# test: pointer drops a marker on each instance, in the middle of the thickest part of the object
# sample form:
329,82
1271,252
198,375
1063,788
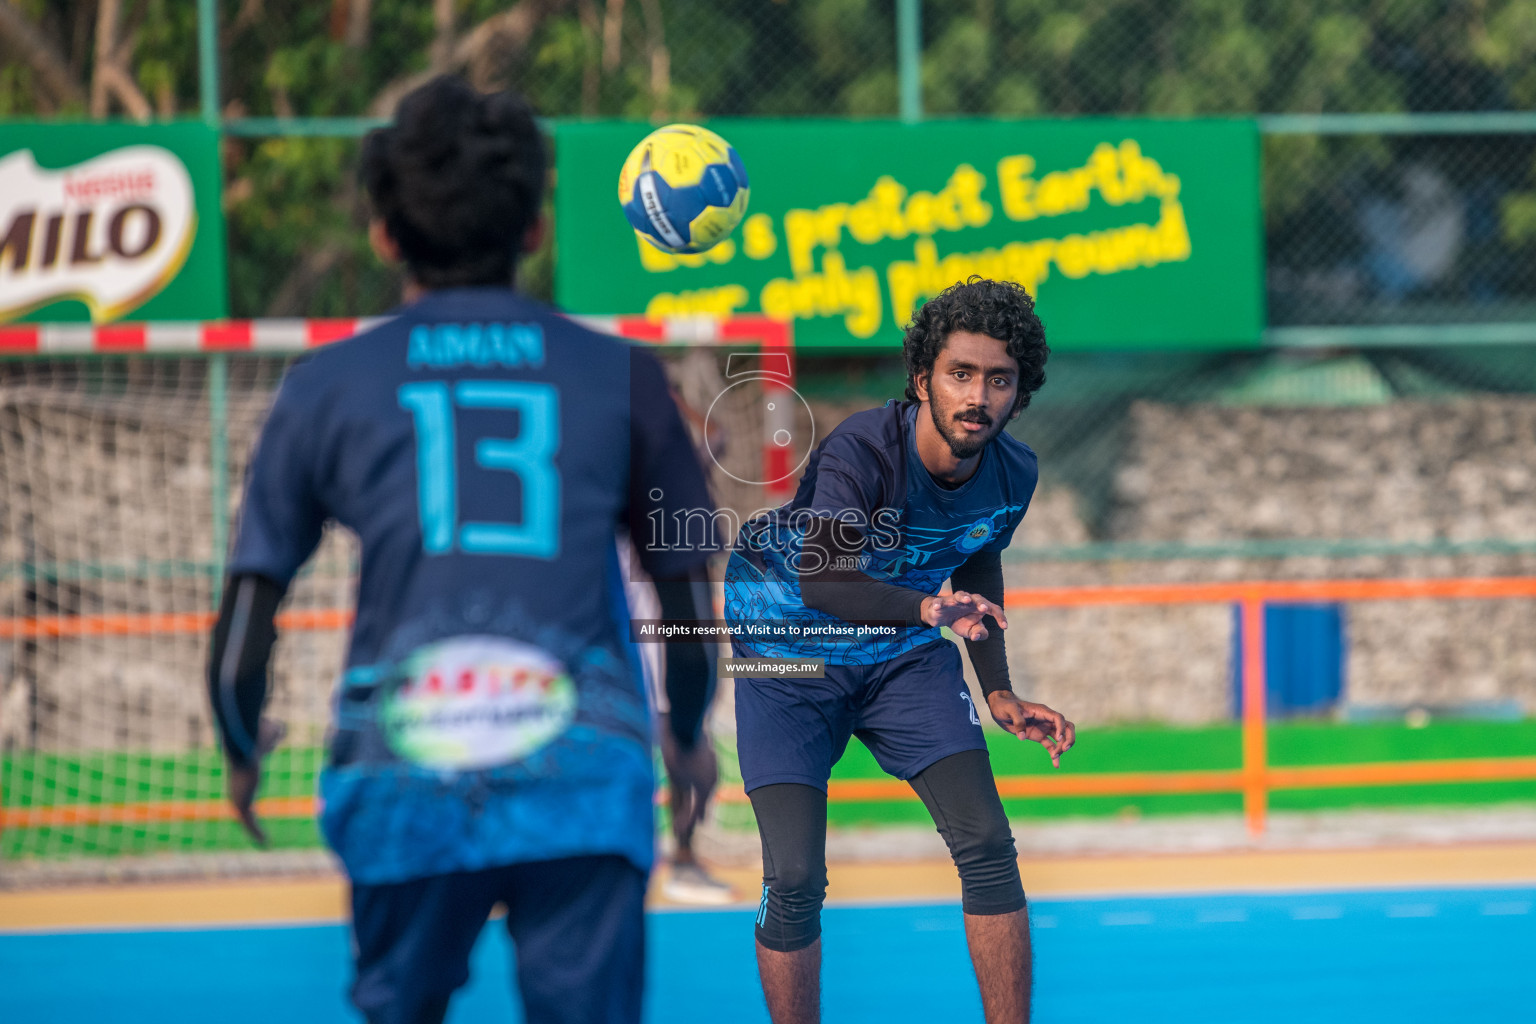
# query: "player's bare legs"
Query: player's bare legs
1001,957
682,807
792,983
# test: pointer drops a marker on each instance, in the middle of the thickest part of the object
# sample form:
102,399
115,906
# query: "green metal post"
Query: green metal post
909,58
218,444
208,58
218,363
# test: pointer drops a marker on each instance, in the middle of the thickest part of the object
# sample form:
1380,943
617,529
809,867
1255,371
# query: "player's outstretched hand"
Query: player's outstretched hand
962,612
245,779
1034,722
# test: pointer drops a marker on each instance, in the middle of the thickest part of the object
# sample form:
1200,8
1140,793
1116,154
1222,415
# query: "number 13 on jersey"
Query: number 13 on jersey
530,455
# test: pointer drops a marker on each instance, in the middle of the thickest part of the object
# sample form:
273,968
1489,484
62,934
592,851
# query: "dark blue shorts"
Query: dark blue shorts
577,925
910,712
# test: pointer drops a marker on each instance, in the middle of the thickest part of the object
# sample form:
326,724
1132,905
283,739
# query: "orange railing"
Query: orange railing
1255,779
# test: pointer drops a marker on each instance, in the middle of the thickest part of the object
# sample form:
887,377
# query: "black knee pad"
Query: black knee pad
789,918
792,820
989,871
962,797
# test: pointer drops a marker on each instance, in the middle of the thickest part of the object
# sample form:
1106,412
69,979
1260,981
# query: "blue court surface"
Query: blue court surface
1401,955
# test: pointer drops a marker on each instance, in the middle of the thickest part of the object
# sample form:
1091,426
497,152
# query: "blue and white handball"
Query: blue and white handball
683,188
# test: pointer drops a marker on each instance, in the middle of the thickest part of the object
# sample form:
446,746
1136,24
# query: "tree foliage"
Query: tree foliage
293,207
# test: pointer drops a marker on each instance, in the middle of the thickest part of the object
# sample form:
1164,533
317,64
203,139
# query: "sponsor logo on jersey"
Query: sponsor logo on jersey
110,232
477,702
975,535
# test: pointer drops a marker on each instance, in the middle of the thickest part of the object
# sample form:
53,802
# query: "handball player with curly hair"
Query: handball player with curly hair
894,502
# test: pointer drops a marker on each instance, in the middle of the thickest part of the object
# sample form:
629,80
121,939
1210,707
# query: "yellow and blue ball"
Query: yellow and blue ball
683,188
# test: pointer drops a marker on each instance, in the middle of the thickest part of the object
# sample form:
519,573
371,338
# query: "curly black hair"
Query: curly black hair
998,309
457,180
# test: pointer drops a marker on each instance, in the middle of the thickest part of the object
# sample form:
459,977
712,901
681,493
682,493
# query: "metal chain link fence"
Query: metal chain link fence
1394,436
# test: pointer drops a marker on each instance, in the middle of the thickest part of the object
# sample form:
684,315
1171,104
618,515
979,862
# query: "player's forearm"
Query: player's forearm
690,678
829,584
239,655
982,574
855,597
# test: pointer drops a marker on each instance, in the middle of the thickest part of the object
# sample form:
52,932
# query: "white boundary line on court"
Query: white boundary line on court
1515,907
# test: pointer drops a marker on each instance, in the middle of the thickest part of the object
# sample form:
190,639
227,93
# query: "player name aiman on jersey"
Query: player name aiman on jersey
493,344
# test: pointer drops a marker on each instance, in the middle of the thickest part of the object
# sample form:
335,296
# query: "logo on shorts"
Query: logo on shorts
970,706
973,538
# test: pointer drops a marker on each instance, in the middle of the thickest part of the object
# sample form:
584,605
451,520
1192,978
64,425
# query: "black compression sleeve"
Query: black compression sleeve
690,663
237,664
792,823
982,574
830,584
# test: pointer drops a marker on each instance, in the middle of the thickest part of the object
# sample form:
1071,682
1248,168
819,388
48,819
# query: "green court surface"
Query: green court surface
53,780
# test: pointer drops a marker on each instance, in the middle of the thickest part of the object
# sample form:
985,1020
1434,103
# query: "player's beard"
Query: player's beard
961,444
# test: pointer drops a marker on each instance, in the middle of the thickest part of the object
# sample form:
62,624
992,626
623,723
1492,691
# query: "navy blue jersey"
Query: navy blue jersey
867,473
485,451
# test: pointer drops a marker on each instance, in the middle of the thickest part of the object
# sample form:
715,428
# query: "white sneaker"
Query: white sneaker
690,883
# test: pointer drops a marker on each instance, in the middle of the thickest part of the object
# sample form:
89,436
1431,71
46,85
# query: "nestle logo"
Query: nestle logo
134,183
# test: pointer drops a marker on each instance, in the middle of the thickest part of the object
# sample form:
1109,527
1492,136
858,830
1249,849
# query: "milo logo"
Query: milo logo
111,232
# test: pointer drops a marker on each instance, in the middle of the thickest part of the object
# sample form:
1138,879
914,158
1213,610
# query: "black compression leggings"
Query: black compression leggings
959,793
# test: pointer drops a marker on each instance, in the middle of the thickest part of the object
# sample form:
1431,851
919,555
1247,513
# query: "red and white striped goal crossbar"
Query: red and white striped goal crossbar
286,336
295,335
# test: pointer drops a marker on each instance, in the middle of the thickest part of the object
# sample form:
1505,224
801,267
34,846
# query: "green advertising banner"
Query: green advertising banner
1129,233
105,221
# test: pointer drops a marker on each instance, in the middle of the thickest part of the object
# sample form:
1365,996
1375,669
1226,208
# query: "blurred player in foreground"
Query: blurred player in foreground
894,502
491,741
691,774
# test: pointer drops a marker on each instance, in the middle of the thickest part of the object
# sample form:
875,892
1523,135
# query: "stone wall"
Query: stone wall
1411,470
